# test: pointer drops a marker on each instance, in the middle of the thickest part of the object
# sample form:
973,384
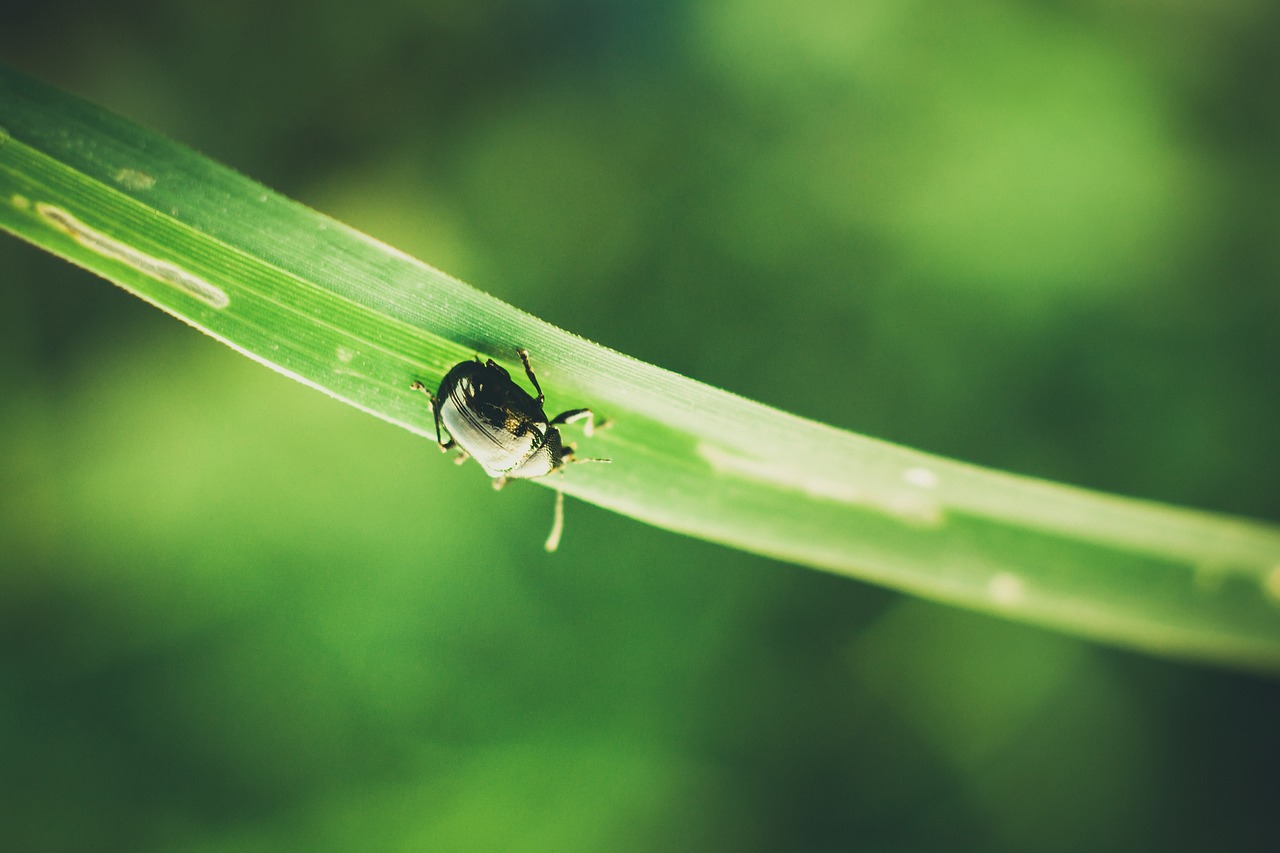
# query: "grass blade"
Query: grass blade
360,321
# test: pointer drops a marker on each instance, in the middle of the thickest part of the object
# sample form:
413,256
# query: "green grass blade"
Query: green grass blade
358,320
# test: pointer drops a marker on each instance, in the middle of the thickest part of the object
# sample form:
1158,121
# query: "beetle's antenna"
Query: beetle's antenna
557,523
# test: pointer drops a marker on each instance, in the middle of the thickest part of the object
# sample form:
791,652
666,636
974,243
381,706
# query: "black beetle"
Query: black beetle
489,417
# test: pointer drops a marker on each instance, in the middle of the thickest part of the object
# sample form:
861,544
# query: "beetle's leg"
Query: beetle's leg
445,446
499,482
418,386
557,523
574,415
567,456
528,371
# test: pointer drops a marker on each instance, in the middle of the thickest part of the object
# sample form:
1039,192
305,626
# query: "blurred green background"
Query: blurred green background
1041,236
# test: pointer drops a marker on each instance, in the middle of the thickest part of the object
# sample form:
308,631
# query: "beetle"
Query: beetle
489,417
